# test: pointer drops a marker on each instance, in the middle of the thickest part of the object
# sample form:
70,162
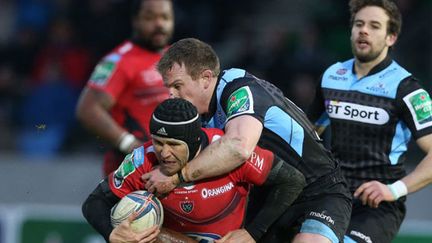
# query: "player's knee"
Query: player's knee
310,238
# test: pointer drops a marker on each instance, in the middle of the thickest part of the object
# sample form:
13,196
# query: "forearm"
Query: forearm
421,176
93,112
220,157
284,183
167,235
96,209
99,122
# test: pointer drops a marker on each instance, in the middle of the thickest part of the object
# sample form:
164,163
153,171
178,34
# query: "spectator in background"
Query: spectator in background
103,24
10,93
58,73
61,56
125,86
374,107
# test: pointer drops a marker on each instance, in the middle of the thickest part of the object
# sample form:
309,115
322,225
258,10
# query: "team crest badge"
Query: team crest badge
341,71
187,206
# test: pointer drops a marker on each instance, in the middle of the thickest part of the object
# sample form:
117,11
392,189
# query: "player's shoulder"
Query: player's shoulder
231,74
237,80
123,51
117,55
340,67
395,70
339,72
126,50
143,155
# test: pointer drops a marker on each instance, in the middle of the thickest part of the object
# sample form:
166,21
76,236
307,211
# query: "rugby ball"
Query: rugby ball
146,204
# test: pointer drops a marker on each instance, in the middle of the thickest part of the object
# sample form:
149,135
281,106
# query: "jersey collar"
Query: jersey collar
379,67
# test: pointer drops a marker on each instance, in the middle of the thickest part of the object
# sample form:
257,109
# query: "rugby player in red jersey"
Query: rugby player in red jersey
125,87
205,210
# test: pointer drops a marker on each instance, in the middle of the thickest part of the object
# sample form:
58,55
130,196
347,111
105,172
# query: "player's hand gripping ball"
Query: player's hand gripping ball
149,210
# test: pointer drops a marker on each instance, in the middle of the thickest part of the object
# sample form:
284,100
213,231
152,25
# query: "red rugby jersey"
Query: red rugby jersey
129,75
207,209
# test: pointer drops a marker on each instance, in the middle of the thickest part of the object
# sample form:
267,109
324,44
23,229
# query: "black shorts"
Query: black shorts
375,224
323,208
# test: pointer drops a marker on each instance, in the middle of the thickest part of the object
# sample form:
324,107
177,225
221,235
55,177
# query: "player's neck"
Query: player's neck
145,45
363,68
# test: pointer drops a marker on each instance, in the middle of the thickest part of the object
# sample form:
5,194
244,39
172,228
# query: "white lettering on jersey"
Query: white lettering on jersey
323,216
207,193
256,161
356,112
361,236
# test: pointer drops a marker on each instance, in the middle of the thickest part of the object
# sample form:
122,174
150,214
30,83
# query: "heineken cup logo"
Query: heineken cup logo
240,101
422,106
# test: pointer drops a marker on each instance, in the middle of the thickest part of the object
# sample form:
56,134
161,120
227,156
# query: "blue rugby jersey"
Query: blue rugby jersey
372,119
286,130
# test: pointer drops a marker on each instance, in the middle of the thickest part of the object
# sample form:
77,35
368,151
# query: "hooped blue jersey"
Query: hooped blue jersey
286,130
372,119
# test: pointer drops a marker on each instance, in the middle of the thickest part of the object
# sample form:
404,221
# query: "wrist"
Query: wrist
180,176
398,189
254,232
175,179
125,142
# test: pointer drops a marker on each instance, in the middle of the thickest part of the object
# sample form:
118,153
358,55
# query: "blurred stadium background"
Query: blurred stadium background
49,163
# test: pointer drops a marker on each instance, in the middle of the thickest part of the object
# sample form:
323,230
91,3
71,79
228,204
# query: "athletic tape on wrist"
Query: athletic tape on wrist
398,189
126,142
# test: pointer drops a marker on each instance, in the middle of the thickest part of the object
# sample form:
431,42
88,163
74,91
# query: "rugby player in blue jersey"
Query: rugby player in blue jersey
253,111
374,107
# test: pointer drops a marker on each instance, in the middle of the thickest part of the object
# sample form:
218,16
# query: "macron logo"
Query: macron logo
162,131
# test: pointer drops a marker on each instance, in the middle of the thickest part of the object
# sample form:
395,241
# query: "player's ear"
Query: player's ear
206,76
391,39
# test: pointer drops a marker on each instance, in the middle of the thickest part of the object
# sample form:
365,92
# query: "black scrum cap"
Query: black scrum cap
179,119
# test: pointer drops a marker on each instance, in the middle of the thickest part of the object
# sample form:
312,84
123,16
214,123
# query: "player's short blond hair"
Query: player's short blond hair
196,55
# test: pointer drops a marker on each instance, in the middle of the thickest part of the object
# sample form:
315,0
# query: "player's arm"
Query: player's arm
124,233
422,174
93,112
167,235
234,148
415,102
373,192
416,105
221,156
97,207
282,184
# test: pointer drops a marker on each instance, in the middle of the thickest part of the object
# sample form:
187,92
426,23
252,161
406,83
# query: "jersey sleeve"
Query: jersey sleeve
127,178
416,107
256,169
244,97
109,75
